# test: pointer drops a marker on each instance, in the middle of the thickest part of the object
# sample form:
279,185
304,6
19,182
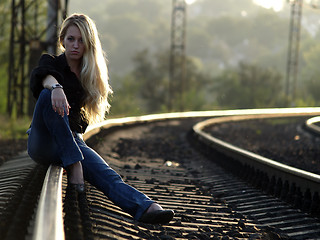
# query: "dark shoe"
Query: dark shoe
79,188
157,217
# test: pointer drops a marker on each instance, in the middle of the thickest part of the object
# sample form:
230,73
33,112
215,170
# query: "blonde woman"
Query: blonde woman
72,91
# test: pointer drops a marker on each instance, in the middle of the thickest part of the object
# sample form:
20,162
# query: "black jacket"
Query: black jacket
58,67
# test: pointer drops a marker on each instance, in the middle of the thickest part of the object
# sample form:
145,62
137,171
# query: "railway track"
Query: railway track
156,154
20,179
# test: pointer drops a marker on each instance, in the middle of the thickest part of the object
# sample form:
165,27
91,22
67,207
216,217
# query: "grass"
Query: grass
281,121
13,128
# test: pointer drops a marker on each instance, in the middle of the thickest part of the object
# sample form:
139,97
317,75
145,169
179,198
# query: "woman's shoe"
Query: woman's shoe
78,187
157,217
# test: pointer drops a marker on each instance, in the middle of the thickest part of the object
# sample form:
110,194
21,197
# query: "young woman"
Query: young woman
72,91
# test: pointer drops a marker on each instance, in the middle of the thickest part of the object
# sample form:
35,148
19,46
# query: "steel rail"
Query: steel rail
49,222
304,180
94,129
311,125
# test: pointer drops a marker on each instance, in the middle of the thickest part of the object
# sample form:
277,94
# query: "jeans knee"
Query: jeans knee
45,96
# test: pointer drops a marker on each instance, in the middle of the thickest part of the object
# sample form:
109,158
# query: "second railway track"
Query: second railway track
158,158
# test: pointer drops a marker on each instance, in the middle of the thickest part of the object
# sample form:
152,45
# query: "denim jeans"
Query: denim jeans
51,141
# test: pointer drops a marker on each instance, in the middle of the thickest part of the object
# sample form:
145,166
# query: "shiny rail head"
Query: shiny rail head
311,124
49,219
95,128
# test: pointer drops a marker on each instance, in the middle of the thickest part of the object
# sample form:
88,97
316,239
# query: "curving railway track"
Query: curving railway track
217,190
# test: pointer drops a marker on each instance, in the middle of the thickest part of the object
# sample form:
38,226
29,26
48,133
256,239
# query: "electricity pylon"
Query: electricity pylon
177,55
293,49
29,23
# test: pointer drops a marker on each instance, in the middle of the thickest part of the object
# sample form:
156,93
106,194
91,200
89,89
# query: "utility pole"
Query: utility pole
26,46
293,49
177,56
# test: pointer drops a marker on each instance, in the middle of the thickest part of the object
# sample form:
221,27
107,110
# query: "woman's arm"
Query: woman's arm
49,81
58,97
46,66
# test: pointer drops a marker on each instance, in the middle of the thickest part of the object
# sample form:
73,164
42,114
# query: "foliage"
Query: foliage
146,89
217,33
4,54
12,128
152,81
3,88
308,87
236,54
249,86
125,100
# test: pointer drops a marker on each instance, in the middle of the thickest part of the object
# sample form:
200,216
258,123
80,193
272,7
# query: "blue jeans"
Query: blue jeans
51,141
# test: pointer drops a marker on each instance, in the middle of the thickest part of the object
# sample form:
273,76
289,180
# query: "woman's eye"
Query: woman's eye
70,38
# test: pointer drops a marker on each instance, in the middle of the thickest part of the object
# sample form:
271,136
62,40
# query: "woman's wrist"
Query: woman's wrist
56,85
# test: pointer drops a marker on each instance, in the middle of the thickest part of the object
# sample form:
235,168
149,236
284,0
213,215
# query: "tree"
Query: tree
152,81
249,86
4,52
146,89
311,73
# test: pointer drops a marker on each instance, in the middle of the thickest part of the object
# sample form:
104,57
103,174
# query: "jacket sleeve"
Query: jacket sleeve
45,67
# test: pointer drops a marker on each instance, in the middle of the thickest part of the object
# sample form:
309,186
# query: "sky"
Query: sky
190,1
276,5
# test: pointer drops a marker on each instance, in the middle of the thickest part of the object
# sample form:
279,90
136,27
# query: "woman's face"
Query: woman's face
73,44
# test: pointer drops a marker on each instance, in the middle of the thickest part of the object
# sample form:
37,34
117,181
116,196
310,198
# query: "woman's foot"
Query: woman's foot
154,207
155,214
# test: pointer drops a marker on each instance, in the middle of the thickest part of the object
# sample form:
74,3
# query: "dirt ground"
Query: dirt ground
283,140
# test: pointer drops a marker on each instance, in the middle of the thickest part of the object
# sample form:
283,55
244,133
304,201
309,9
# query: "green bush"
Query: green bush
12,128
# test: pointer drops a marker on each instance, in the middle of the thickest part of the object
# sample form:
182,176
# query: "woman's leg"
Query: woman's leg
50,138
51,141
99,174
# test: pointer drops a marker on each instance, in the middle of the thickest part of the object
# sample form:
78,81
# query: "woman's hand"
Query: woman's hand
59,101
58,98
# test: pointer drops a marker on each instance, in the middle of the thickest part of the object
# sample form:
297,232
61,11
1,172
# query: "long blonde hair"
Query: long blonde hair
94,71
